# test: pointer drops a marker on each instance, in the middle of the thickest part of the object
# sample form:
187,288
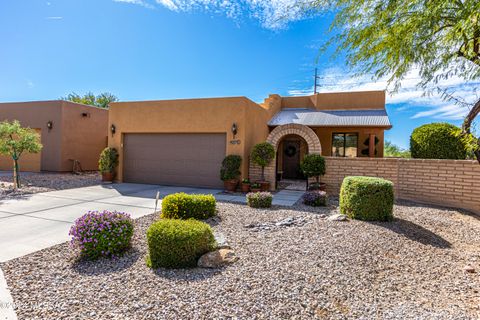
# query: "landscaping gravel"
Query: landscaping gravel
43,182
411,268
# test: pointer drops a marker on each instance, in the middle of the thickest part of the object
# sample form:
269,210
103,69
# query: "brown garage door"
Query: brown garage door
174,158
28,161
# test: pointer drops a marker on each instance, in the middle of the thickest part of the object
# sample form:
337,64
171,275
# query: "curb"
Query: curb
6,301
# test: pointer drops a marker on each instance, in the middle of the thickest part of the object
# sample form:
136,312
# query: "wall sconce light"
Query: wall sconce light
113,129
234,129
49,125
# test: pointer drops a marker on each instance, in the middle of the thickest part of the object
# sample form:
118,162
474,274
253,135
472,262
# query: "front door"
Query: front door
291,159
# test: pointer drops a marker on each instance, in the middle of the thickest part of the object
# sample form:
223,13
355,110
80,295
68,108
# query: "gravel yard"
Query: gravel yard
411,268
43,182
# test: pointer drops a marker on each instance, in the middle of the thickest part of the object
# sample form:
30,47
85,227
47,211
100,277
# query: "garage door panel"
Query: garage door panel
174,159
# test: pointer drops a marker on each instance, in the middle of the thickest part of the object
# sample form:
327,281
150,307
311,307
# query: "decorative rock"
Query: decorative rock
221,241
217,258
337,217
469,269
284,223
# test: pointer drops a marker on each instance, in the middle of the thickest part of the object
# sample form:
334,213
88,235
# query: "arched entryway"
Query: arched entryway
289,137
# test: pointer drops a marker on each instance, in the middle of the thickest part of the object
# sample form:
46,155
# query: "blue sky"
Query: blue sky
162,49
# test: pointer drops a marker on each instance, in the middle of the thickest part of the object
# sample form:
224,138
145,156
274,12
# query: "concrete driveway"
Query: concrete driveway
42,220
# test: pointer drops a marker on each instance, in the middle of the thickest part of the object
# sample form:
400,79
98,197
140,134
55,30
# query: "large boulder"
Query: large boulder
217,258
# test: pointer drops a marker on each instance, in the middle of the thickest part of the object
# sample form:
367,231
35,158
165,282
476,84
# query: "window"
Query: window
344,144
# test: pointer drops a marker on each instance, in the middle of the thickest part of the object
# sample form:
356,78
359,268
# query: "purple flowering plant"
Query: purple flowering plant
315,198
102,234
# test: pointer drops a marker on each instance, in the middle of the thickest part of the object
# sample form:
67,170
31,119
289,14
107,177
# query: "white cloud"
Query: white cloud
430,105
137,2
30,84
54,18
273,14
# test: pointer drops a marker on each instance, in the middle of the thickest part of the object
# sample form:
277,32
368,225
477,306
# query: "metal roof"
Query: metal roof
329,118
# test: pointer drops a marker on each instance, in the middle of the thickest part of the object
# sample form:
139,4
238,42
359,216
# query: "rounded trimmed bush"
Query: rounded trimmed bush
259,199
230,167
188,206
315,198
102,234
367,198
437,141
176,243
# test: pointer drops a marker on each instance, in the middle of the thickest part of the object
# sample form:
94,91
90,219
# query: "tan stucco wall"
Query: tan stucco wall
338,100
83,137
36,115
72,137
214,115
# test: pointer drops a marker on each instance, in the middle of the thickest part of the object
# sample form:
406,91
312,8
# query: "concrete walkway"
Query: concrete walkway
42,220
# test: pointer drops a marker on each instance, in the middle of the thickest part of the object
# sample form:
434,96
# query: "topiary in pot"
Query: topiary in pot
178,243
313,166
437,141
230,171
367,198
107,163
262,154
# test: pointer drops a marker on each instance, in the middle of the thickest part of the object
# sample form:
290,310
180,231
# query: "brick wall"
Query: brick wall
444,182
453,183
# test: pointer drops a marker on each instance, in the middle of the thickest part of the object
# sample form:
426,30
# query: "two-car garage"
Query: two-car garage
184,159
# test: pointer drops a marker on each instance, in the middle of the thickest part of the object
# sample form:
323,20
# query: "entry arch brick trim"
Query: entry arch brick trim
275,137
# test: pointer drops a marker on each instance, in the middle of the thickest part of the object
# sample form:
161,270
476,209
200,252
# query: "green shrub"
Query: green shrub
259,199
178,243
367,198
313,165
108,160
187,206
437,141
230,167
262,154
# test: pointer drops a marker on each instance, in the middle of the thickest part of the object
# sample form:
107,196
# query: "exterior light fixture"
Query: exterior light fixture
234,129
49,125
113,129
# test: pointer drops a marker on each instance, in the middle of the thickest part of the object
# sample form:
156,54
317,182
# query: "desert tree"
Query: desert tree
15,140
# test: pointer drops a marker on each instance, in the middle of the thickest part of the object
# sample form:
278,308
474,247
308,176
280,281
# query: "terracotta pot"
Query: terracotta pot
245,187
264,185
230,185
107,176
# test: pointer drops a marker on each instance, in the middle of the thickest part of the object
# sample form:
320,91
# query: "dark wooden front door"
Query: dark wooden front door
291,159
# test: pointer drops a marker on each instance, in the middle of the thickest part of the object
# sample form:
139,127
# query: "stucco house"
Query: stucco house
69,131
183,142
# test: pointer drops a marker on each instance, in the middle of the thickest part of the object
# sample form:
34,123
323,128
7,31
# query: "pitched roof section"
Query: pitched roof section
331,118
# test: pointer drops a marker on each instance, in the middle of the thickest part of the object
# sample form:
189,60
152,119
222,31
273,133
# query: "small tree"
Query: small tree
102,100
14,141
262,154
313,165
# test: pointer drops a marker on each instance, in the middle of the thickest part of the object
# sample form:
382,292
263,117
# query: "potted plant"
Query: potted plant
245,185
107,163
230,171
262,154
255,187
313,165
